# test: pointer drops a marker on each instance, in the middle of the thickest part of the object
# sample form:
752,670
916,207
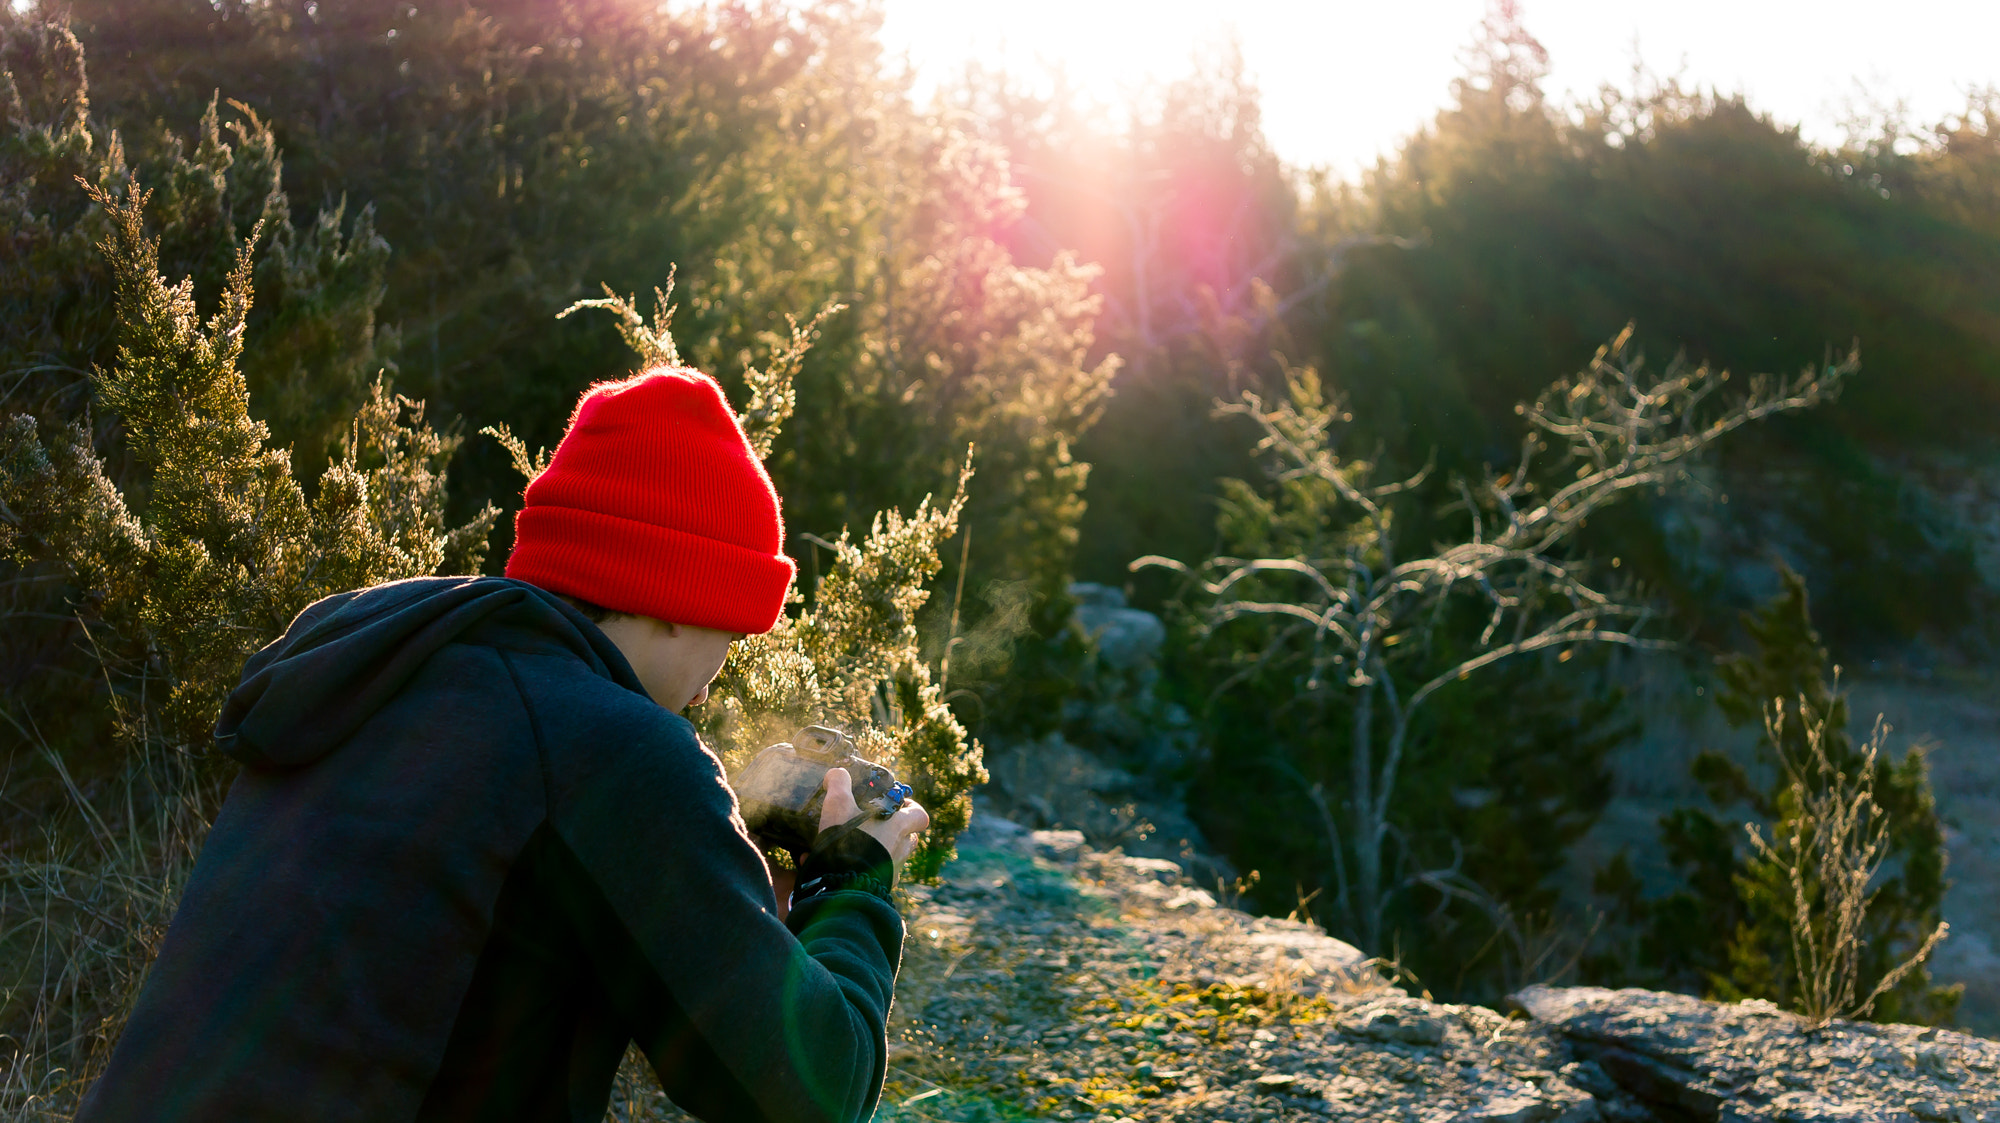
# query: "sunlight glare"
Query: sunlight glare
1345,80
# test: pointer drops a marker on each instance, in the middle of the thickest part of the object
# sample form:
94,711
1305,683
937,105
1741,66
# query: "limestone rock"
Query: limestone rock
1411,1021
1057,846
1681,1057
1125,637
1046,979
1074,984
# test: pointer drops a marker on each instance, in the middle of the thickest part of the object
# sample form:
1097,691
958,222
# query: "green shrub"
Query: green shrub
518,154
315,348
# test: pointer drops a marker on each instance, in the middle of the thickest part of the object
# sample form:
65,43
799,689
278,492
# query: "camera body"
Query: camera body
783,787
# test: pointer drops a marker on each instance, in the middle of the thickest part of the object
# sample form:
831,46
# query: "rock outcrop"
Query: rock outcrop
1646,1055
1045,979
1048,979
1125,637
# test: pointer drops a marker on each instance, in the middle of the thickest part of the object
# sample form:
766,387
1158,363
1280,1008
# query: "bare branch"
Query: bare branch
1540,642
1611,429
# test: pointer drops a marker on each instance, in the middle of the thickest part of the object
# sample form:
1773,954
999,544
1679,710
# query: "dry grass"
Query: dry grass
1836,846
84,902
636,1096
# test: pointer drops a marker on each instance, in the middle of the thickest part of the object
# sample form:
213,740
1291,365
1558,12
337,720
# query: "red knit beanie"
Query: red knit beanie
655,505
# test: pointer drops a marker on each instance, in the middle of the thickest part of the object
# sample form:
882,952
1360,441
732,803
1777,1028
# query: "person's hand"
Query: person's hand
897,834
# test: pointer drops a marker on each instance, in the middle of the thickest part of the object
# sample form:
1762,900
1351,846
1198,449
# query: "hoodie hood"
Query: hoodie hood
346,656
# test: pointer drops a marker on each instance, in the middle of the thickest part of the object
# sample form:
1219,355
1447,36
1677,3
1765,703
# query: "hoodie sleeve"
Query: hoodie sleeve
741,1017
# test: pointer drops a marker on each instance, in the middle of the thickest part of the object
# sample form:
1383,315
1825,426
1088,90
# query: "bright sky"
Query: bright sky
1343,80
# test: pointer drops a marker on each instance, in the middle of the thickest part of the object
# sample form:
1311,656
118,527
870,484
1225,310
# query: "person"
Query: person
472,851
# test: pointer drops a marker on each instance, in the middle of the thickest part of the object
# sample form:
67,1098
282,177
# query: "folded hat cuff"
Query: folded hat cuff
647,570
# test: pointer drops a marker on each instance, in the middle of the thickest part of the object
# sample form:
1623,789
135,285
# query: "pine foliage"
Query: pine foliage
517,155
990,352
853,661
226,548
315,345
318,284
1514,230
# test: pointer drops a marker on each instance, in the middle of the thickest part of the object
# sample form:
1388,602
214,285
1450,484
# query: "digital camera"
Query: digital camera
783,787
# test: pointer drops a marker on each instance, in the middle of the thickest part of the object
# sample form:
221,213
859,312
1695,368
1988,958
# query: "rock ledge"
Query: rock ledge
1646,1055
1044,979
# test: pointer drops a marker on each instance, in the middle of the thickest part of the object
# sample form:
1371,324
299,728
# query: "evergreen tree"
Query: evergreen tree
520,154
1507,233
316,348
1190,221
319,282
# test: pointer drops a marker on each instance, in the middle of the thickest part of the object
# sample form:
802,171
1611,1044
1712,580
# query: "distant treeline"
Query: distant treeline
515,155
1506,240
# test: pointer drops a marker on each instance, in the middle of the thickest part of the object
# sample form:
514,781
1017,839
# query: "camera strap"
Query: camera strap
831,836
839,860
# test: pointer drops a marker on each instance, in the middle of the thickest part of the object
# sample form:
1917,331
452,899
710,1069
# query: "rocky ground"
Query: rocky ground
1047,980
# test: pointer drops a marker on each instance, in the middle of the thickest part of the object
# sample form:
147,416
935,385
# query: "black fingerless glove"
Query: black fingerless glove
845,857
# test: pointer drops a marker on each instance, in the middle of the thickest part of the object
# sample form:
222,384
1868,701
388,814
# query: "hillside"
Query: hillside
1044,979
359,212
